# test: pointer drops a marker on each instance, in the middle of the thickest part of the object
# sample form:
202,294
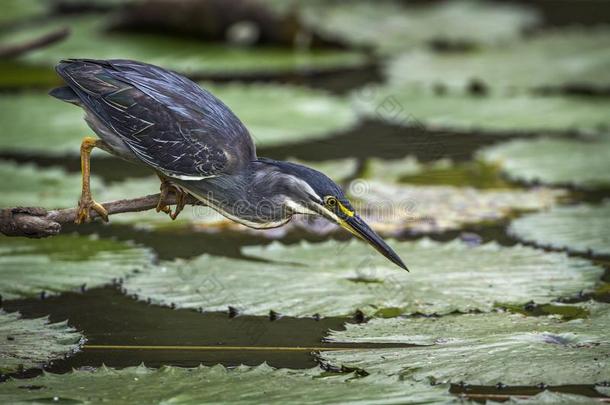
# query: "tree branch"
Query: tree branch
36,222
12,51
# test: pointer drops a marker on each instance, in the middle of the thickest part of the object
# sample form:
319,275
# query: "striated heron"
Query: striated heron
197,146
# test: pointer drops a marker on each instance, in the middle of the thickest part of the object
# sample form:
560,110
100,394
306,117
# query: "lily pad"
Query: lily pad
183,55
582,163
213,385
390,27
26,185
417,106
441,172
395,208
575,57
337,278
274,115
30,343
29,268
580,228
338,169
484,349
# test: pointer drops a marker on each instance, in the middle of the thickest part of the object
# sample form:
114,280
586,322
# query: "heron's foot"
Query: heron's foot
85,205
180,203
162,205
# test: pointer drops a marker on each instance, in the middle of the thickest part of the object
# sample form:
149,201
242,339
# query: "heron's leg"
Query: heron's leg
87,203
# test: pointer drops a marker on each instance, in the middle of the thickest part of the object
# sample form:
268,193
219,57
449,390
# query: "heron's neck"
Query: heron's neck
255,197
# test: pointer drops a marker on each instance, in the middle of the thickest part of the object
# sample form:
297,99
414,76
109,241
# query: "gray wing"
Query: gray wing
169,122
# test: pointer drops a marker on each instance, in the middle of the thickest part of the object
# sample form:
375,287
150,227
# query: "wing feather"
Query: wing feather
169,122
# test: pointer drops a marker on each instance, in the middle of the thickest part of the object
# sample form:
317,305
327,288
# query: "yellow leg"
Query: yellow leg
162,206
87,203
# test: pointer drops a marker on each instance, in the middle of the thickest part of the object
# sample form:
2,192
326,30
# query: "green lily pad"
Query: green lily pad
26,185
417,106
30,343
274,115
337,278
580,228
89,38
30,267
391,27
213,385
338,169
553,59
441,172
282,114
582,163
605,390
484,349
393,208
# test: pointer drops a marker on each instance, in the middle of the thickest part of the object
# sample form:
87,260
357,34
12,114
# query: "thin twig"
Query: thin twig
12,51
36,222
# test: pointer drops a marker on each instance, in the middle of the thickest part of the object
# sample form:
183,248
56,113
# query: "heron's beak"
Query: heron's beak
358,227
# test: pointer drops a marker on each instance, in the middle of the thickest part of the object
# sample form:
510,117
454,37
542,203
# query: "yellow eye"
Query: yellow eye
331,202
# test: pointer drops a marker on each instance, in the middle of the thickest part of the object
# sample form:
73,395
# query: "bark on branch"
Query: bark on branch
36,222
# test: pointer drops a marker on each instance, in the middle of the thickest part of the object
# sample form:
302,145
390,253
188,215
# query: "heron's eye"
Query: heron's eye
331,202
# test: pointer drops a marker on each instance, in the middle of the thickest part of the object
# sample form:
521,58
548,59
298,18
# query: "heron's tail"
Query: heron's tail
65,93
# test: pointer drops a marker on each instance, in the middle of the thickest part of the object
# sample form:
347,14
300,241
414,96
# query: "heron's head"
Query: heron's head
308,191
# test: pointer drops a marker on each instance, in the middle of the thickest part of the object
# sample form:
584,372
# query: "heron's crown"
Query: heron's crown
321,184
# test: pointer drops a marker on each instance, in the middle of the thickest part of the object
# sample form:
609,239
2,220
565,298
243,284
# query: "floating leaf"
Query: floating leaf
441,172
494,114
213,385
62,263
29,343
583,163
391,27
274,115
338,169
393,170
180,54
26,185
581,228
281,114
337,278
484,349
394,208
553,59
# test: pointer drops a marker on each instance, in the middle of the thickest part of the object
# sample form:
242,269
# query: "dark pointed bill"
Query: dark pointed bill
361,229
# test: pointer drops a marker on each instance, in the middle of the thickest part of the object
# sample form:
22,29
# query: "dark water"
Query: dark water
109,318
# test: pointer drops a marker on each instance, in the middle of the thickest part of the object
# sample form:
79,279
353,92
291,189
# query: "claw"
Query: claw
180,203
85,205
162,206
